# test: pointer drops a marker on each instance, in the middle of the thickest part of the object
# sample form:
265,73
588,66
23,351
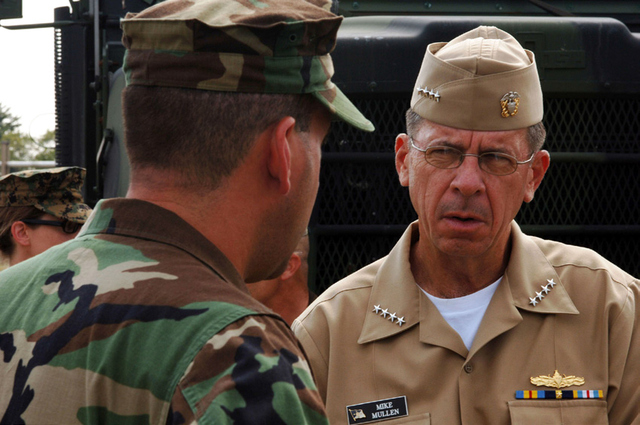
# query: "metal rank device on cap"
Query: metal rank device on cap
482,80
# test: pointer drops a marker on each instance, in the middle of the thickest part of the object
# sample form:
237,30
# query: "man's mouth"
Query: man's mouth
462,217
462,222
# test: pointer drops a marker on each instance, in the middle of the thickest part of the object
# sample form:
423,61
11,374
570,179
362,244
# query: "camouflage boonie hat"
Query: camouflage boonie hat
55,191
267,46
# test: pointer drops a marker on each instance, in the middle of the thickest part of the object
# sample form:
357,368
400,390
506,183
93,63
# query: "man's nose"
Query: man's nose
469,178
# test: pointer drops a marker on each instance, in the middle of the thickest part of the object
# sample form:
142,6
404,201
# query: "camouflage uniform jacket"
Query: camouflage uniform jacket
140,319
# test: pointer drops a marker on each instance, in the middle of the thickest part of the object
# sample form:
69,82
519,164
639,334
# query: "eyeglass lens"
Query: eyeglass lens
70,226
491,162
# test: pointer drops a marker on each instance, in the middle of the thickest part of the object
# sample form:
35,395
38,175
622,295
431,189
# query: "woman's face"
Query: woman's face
43,237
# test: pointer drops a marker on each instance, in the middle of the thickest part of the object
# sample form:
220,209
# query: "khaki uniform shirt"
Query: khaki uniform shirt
375,336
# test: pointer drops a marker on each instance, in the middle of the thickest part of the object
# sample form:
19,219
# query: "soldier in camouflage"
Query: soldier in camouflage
40,209
145,316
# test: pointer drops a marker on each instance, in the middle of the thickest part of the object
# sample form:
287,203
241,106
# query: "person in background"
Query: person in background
39,209
288,294
145,317
468,320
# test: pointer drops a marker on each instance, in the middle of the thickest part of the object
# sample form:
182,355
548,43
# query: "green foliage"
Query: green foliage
24,148
21,146
8,121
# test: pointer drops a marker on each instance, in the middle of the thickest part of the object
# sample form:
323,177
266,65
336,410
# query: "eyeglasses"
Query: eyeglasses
496,163
67,226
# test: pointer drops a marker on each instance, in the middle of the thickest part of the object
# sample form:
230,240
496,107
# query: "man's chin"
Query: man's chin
462,247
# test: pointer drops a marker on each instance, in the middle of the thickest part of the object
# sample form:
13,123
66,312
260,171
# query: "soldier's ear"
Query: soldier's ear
279,161
292,266
21,233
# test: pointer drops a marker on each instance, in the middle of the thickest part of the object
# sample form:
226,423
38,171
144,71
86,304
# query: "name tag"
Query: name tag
380,410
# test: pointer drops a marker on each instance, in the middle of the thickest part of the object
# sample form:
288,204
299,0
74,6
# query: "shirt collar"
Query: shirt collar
144,220
529,273
395,289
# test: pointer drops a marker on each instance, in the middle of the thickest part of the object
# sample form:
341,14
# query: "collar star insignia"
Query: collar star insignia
545,290
377,309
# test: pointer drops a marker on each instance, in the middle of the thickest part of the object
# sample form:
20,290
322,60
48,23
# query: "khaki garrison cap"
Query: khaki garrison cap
54,191
482,80
266,46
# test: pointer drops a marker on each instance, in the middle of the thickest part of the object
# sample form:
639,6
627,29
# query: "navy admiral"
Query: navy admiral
468,320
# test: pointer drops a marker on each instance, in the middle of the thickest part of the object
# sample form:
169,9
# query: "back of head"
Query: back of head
219,72
482,80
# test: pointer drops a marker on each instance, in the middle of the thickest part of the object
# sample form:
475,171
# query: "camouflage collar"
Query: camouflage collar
140,219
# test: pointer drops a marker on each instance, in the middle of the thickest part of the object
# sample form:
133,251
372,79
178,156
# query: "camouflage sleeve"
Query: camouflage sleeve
253,371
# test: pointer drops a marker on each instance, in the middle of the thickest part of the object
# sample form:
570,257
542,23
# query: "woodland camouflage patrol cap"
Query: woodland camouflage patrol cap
480,80
266,46
55,191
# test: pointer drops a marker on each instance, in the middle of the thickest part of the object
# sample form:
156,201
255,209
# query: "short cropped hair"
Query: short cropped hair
8,216
202,135
536,134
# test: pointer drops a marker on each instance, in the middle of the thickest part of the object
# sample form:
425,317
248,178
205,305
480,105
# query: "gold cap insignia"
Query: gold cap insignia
557,381
510,103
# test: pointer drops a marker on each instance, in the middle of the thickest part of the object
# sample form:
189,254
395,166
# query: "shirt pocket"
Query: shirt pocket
574,412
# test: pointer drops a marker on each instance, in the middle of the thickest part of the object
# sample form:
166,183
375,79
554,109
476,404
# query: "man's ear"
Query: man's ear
20,233
402,154
292,266
280,153
536,174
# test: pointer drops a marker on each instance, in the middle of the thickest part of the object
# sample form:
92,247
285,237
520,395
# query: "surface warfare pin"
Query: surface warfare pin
379,410
558,381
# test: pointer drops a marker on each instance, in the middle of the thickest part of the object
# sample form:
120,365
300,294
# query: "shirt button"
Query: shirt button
468,368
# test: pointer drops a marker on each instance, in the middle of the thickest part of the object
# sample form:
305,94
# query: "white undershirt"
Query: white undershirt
464,314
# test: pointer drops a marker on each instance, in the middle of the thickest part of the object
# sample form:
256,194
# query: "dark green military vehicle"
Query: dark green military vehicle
588,57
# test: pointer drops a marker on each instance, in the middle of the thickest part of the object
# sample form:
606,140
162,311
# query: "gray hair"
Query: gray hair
536,134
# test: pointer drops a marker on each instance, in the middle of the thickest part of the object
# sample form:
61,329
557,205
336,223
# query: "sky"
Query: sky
26,67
